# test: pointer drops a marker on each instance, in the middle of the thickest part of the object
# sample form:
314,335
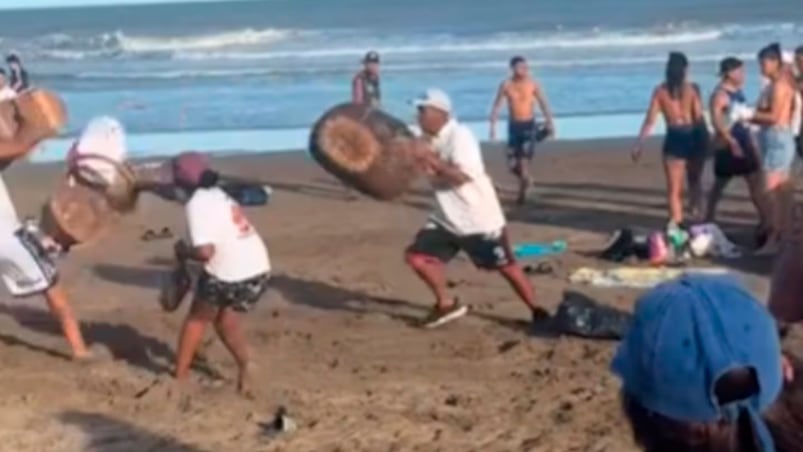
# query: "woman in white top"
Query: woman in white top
235,265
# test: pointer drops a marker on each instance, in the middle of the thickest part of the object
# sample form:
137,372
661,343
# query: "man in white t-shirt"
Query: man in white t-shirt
26,266
235,261
468,216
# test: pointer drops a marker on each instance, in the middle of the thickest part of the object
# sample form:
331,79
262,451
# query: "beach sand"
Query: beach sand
333,338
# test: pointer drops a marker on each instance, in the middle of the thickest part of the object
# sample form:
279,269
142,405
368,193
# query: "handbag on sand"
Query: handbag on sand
366,149
175,287
579,315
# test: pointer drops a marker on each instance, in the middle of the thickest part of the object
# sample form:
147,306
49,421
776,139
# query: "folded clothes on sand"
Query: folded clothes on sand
635,277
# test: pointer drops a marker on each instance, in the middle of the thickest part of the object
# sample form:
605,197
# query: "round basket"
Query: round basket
115,180
9,122
365,148
76,214
43,109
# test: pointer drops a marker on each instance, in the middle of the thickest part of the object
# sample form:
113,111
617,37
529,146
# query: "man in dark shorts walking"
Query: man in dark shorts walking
736,152
467,217
522,93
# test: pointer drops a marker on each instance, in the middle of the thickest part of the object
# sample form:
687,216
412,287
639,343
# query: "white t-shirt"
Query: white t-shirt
9,221
7,93
472,208
215,219
105,137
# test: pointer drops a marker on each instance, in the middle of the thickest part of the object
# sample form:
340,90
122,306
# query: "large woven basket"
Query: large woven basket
9,122
43,109
76,214
365,148
117,181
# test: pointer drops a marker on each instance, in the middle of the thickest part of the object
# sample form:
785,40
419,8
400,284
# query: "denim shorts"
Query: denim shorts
777,149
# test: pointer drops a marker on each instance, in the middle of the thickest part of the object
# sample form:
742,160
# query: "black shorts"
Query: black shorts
240,295
521,139
486,251
726,165
800,145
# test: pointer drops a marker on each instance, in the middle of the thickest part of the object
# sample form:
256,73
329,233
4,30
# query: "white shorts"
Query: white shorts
25,267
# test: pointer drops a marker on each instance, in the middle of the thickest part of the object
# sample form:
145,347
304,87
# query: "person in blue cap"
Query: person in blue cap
700,367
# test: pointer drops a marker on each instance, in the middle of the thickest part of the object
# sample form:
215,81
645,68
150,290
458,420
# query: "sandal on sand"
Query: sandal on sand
151,235
542,268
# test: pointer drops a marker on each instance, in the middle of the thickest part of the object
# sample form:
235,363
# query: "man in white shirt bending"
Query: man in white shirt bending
468,216
235,261
26,267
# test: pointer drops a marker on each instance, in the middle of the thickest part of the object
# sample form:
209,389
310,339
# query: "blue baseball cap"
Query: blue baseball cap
684,336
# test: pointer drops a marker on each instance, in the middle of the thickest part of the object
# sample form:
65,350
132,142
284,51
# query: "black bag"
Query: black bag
175,287
579,315
247,194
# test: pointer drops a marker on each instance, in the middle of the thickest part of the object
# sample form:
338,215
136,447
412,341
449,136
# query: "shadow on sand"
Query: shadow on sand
122,340
108,434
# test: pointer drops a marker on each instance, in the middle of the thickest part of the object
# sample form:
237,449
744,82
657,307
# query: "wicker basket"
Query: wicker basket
43,109
9,123
115,180
77,214
367,149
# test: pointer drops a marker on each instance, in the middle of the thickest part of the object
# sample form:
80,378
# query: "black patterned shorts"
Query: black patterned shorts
240,296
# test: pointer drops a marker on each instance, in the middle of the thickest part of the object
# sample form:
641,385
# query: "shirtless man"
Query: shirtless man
678,101
522,93
777,140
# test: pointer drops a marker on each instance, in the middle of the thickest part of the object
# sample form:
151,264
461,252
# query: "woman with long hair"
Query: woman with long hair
686,141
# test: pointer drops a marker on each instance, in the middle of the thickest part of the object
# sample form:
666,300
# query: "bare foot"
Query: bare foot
244,387
771,248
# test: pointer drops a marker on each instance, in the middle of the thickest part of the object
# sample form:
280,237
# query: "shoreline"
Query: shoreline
579,129
53,147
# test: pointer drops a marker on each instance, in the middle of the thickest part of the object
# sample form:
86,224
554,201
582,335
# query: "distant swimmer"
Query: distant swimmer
684,148
522,93
365,84
19,76
776,115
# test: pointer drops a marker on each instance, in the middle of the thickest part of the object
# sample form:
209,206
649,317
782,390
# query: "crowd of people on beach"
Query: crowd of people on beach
701,366
757,143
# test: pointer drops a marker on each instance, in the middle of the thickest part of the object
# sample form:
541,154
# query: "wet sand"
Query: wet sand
334,338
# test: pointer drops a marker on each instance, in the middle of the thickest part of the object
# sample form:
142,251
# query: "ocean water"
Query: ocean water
254,75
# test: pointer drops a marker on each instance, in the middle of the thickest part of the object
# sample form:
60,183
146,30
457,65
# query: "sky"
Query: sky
13,4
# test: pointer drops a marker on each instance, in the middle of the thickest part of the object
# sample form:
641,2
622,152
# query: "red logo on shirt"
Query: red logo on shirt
240,221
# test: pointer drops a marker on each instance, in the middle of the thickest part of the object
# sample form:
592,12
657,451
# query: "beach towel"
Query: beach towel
636,277
535,250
